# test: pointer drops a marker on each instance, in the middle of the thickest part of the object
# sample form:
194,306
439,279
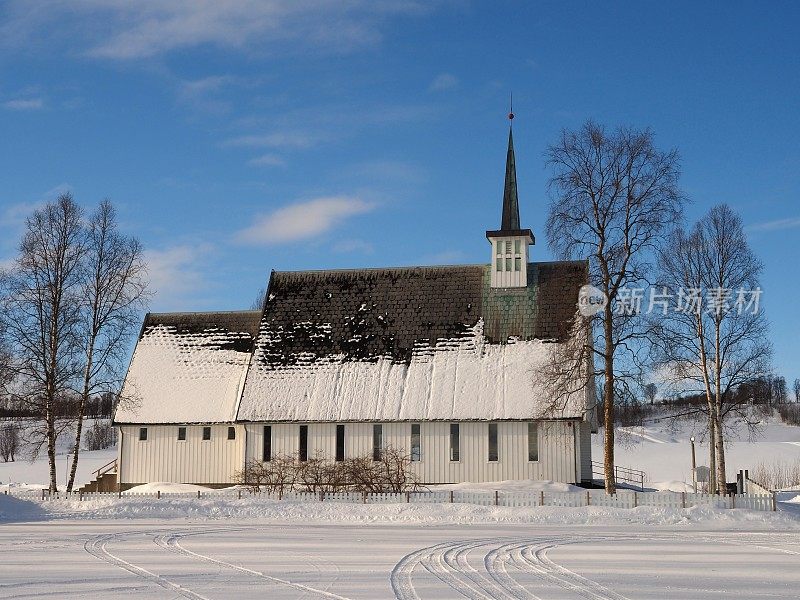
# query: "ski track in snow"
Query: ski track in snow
449,563
97,548
171,542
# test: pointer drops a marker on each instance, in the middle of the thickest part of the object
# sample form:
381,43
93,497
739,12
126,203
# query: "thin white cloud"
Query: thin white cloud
302,220
353,247
147,28
267,160
280,139
777,225
443,82
24,104
176,274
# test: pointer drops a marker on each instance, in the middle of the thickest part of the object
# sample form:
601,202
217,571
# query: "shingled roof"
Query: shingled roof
188,367
319,326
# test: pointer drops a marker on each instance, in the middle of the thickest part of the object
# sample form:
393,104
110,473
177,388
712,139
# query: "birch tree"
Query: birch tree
716,339
41,311
113,290
614,195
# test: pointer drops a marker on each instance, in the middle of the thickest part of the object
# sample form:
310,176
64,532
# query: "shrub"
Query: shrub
283,473
776,475
790,413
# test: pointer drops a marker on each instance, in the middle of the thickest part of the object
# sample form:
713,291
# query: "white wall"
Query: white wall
163,458
558,448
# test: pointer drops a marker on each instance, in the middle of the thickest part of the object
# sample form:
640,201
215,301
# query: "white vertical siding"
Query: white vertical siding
558,452
505,278
162,457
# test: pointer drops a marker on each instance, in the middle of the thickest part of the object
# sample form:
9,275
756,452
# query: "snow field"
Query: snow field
245,559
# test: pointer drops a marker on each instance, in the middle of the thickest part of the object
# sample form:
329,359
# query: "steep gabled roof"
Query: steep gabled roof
188,367
406,343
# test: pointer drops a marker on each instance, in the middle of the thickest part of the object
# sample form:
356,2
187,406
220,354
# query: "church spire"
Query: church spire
509,268
510,219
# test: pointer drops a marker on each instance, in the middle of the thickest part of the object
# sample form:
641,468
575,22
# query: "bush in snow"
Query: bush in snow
790,413
390,473
9,441
777,475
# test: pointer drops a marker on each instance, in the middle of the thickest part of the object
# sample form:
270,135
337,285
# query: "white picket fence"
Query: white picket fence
622,499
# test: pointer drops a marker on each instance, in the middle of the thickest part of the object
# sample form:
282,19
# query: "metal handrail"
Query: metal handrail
105,468
625,474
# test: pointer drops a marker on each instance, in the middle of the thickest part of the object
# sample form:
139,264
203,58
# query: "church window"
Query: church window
499,263
142,434
508,263
266,451
339,443
206,434
517,263
493,453
303,450
533,442
517,246
231,433
416,449
377,441
508,247
455,453
181,434
499,248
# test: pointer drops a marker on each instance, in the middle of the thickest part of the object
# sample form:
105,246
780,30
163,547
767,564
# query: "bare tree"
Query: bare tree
9,441
797,390
42,311
650,391
614,194
260,300
716,338
113,290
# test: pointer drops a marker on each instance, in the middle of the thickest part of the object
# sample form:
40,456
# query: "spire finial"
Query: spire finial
511,107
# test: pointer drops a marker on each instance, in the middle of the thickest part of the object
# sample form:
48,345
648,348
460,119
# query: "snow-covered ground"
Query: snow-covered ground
25,473
168,558
663,451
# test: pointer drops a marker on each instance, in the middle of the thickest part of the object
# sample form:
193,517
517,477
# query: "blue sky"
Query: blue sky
240,137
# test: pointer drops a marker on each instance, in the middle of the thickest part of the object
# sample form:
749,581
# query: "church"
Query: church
437,361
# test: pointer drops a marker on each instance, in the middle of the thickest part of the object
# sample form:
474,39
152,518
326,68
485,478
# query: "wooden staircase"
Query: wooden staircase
105,479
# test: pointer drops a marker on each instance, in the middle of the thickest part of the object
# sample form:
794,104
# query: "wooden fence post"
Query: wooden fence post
733,500
42,493
240,493
408,497
588,499
364,497
451,496
198,494
322,496
683,499
158,494
774,502
496,498
635,499
541,497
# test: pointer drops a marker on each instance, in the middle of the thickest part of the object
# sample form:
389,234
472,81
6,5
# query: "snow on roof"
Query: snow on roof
459,379
408,344
188,368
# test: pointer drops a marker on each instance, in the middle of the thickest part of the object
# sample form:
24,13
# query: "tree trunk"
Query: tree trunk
50,421
87,371
719,441
608,406
712,455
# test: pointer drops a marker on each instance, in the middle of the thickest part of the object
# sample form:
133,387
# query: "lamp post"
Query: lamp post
694,467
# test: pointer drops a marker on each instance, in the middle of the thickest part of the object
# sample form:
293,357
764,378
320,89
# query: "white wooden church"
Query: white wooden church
438,361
